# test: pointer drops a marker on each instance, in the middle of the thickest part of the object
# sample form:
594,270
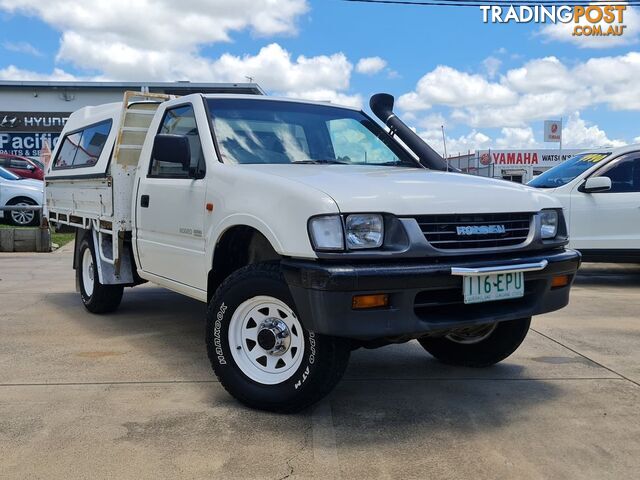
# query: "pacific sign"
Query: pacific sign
541,158
26,144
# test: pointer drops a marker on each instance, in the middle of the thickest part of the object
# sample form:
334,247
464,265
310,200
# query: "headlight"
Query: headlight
364,231
326,232
548,223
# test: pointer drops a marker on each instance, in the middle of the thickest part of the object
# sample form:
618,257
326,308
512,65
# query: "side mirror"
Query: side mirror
172,149
596,184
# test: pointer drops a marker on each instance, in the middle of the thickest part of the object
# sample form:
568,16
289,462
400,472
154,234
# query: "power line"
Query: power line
478,3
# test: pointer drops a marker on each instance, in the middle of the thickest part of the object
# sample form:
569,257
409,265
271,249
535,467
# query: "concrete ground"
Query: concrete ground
131,395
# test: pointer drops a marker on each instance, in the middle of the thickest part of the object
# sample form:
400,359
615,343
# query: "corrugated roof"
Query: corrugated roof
168,87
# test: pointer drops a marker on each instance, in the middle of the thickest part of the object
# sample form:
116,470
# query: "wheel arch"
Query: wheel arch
22,196
237,246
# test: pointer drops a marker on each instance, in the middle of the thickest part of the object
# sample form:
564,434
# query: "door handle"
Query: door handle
144,201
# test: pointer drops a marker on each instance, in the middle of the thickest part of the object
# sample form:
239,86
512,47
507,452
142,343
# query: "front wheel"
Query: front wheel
478,346
259,348
96,297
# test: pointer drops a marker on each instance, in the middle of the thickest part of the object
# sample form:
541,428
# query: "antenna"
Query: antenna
444,142
249,78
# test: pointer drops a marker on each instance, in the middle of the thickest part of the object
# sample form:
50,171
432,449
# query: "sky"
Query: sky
490,85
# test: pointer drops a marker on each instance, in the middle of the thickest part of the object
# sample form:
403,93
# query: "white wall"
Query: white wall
48,100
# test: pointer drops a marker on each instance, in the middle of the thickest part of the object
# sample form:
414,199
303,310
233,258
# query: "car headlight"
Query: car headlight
364,231
326,232
548,223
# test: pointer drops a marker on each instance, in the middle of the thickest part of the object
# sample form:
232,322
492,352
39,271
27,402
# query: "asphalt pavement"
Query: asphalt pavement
131,395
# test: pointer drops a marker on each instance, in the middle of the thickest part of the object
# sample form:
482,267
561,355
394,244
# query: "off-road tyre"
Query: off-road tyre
97,298
498,345
322,362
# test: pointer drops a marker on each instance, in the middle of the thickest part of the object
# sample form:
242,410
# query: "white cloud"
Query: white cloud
563,32
514,137
451,87
22,47
164,23
109,40
459,145
540,88
274,68
430,121
370,65
577,133
14,73
540,75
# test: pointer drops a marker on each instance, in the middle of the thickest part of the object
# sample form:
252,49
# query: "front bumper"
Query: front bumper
424,297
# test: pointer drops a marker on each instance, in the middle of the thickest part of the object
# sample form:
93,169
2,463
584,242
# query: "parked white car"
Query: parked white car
16,191
600,193
309,231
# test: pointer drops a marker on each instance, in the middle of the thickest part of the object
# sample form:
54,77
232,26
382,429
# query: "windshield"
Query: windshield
565,172
7,175
263,131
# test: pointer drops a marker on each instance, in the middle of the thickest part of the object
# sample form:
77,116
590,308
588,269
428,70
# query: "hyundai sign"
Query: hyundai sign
26,133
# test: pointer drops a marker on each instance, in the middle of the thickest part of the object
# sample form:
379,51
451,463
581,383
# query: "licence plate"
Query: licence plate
489,288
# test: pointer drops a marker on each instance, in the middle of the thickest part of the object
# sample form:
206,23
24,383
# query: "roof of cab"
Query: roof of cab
279,99
93,114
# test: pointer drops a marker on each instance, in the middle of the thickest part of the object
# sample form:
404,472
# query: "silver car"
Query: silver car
20,191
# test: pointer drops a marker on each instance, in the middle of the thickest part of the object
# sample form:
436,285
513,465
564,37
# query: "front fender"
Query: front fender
241,219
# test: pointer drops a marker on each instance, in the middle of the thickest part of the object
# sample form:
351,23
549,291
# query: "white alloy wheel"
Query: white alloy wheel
87,272
471,335
266,340
22,217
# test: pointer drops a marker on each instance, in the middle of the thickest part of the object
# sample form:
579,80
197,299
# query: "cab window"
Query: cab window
624,174
180,121
83,147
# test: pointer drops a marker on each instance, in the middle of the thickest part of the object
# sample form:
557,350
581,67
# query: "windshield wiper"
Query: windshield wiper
322,162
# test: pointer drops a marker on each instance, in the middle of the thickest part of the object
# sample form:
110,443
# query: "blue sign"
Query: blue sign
26,144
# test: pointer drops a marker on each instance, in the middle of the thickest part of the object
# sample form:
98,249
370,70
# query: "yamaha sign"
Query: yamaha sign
538,158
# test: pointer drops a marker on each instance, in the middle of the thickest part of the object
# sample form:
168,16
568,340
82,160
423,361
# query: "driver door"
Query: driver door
609,220
170,208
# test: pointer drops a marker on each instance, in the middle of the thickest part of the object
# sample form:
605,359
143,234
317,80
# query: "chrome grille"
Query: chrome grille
441,231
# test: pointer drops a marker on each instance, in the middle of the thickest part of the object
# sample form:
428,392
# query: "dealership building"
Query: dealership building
515,165
32,113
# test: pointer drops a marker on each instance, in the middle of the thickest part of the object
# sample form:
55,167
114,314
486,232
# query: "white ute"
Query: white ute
309,230
600,193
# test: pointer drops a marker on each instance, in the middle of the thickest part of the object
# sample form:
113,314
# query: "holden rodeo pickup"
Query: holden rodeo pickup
309,229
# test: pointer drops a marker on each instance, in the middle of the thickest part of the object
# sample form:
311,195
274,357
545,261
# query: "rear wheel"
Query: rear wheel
96,297
480,346
259,348
23,218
